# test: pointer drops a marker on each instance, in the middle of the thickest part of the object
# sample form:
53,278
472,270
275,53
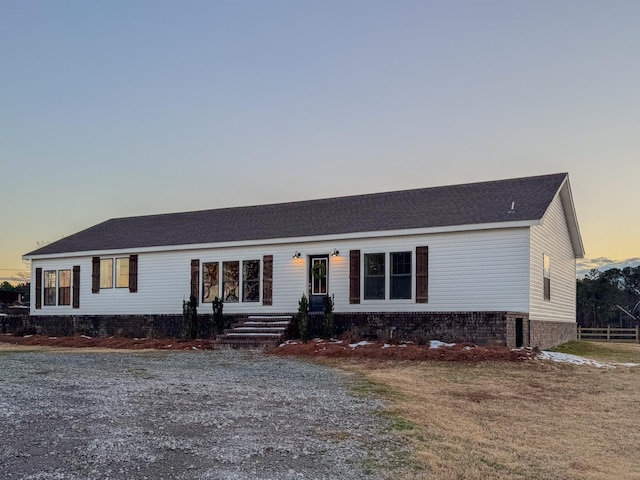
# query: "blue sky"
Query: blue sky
113,109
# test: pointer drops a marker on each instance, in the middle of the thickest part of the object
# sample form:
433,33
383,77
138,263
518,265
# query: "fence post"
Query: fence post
637,334
579,332
608,333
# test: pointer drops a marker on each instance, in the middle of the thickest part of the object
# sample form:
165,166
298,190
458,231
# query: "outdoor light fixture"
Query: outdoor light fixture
335,252
296,255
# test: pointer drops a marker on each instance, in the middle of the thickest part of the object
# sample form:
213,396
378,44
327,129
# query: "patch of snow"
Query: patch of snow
84,336
438,344
28,336
360,344
289,342
577,360
386,345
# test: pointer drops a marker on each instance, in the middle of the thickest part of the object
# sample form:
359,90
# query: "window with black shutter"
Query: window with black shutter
422,274
267,280
75,303
38,288
354,276
95,275
133,273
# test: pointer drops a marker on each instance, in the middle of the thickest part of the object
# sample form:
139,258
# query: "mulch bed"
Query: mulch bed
458,352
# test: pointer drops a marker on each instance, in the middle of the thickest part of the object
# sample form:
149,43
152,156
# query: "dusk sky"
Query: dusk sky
122,108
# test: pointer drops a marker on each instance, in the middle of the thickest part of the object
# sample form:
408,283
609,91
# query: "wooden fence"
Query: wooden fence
609,334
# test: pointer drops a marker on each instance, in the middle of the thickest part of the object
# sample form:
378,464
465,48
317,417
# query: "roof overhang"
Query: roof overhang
294,240
572,220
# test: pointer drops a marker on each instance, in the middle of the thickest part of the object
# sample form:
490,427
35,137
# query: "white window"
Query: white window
374,276
546,275
50,287
122,272
106,273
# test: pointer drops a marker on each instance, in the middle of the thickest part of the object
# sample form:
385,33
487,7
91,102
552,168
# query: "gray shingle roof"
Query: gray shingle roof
474,203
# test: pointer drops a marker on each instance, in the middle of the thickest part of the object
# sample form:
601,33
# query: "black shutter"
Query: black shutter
267,280
354,276
195,279
133,273
95,275
76,287
422,274
38,288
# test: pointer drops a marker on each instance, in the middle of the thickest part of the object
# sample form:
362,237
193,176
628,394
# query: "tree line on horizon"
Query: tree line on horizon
609,298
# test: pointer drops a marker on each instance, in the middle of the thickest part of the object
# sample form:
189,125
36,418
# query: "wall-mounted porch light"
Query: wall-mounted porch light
296,255
335,252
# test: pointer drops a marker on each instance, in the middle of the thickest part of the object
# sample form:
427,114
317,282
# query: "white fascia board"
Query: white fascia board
572,220
571,217
294,240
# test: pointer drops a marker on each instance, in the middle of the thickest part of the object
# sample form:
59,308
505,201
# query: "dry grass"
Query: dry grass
505,420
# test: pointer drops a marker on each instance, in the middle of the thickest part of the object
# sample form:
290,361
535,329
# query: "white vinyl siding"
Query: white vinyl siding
552,238
484,270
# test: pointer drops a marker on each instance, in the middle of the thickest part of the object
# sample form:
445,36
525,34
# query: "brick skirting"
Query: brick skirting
482,328
546,334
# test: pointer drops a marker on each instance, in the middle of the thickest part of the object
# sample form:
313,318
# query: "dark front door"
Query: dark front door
318,282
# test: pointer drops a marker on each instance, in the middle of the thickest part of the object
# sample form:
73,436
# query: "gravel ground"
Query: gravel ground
193,415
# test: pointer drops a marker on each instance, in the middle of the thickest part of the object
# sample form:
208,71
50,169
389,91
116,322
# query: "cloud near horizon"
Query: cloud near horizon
585,265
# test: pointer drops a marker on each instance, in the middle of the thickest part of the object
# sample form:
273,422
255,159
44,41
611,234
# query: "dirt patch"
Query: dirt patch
458,352
81,341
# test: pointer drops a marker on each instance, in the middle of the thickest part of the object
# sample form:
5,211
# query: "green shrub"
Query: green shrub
328,326
303,318
219,323
190,314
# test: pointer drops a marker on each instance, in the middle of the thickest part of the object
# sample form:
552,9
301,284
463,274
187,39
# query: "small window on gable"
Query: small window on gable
374,276
64,287
122,272
106,273
210,288
546,274
50,287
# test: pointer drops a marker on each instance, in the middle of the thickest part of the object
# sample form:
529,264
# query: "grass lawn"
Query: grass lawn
506,420
604,351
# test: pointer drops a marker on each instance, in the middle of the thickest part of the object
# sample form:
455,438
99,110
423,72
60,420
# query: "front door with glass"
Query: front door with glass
318,282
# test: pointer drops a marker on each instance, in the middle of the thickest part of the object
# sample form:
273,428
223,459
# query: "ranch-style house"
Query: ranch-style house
490,263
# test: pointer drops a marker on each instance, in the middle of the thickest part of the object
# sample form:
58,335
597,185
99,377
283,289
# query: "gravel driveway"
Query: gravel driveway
193,415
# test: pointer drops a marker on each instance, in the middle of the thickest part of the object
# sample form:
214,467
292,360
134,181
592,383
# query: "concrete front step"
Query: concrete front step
265,324
258,331
252,334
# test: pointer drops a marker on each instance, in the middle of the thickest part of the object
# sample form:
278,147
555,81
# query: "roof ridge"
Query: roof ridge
340,197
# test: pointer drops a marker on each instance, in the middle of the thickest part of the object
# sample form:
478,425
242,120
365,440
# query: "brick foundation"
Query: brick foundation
482,328
549,334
